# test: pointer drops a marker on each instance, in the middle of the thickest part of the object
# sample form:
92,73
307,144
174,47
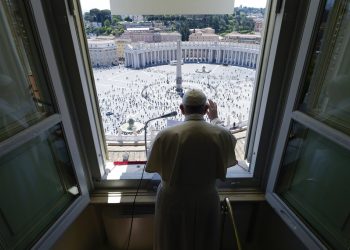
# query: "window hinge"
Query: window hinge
279,6
71,7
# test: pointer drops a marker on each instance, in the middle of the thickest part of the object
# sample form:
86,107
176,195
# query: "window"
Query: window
142,86
51,135
310,173
39,176
70,46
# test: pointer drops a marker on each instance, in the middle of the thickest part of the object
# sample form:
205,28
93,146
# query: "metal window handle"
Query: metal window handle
228,208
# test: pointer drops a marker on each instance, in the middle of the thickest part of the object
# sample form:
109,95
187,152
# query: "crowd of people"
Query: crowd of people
147,93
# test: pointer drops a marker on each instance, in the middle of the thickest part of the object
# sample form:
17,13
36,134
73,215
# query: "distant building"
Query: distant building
258,20
207,30
144,34
100,38
258,24
140,55
159,25
243,38
128,25
103,52
170,36
149,35
121,43
204,35
135,18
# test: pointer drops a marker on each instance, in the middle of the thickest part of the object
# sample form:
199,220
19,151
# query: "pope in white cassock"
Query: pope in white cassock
189,157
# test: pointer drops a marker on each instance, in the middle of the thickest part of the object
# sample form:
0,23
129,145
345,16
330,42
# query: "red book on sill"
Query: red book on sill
129,162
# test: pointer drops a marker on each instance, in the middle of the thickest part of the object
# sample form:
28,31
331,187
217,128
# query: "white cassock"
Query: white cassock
189,158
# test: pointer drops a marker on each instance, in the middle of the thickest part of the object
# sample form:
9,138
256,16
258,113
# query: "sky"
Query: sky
87,5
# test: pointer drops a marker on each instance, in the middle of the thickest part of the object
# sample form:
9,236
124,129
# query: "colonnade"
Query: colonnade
142,55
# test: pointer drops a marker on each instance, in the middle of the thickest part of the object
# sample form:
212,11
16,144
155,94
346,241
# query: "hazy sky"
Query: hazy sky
87,5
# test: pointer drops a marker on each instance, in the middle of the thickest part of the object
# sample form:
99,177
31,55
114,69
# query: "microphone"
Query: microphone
174,113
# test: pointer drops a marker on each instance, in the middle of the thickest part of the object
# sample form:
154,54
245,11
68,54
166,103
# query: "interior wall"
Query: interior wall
117,224
270,232
85,233
108,226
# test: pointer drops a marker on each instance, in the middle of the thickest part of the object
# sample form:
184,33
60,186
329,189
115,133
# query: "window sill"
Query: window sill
149,197
134,171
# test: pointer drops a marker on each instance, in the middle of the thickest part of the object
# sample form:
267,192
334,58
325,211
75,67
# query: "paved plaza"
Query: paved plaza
142,94
125,93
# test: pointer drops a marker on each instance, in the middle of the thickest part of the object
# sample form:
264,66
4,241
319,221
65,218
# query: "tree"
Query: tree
127,19
248,24
215,23
107,30
106,15
119,29
107,23
90,30
183,29
222,25
95,15
87,16
116,19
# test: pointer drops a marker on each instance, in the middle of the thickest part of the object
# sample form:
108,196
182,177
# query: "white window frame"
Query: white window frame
252,178
63,119
244,178
291,114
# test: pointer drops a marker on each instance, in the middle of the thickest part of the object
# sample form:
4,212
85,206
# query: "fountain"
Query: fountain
131,127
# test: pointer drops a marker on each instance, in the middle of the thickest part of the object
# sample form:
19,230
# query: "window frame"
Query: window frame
251,178
269,73
256,178
81,97
292,114
279,61
38,30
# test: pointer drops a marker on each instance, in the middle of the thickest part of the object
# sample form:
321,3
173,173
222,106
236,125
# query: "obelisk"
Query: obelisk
178,68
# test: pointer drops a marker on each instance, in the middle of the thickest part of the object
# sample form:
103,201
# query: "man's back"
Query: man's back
189,158
192,153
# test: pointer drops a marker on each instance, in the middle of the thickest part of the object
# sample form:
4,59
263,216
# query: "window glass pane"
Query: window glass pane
314,181
24,98
327,91
37,182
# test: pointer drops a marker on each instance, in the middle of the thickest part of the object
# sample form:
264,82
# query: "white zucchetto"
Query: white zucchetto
194,97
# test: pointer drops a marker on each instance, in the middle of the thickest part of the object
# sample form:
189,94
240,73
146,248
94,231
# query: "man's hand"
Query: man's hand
212,111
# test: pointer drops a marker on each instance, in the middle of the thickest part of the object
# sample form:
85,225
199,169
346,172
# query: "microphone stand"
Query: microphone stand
139,184
174,113
143,171
145,128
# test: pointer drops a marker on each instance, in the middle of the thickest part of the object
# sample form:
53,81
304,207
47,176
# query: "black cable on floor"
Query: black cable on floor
133,208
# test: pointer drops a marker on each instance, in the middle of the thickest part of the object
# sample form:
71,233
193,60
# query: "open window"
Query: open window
138,84
41,177
309,180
